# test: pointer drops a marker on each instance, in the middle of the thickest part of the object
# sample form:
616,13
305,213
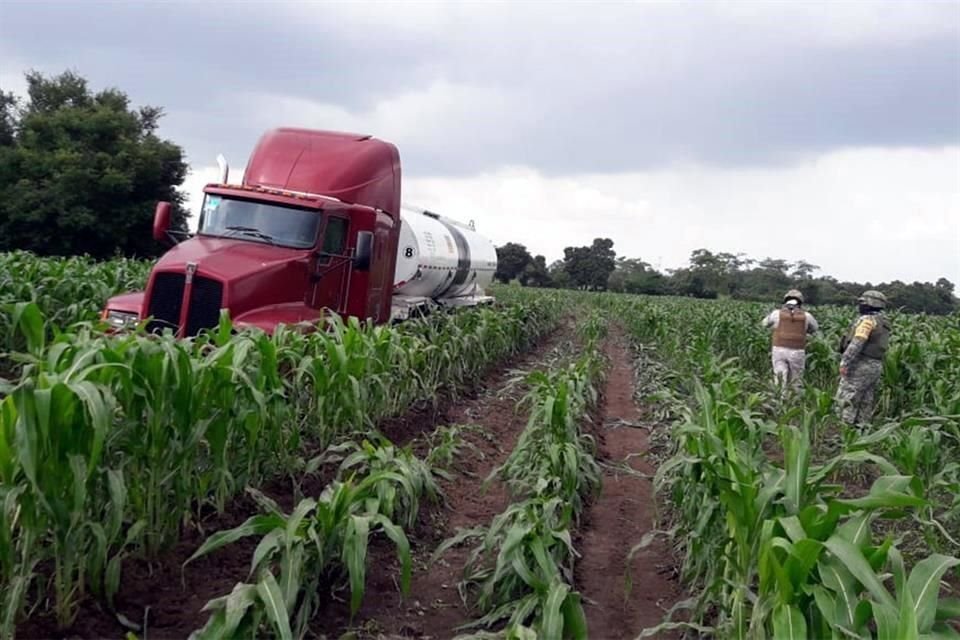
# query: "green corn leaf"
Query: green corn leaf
134,532
299,513
852,558
551,620
269,592
797,463
254,526
890,492
265,548
836,577
574,618
355,541
907,627
856,529
28,319
924,587
111,577
861,616
399,538
826,605
887,620
789,623
793,528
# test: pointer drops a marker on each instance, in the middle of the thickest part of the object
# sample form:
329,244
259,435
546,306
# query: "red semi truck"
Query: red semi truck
316,226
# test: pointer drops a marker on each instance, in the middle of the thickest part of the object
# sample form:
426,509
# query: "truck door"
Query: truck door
382,269
332,267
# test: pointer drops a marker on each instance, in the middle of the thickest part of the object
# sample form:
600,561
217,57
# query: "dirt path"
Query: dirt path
170,600
620,517
433,608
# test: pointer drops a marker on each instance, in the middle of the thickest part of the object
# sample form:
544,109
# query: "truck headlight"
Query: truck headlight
122,319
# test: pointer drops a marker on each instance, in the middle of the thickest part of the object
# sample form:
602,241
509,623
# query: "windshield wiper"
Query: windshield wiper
251,231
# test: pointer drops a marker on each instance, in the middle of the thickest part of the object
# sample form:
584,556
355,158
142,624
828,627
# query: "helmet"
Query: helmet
873,298
793,293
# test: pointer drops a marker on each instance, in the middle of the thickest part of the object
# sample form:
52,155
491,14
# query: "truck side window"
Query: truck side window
335,236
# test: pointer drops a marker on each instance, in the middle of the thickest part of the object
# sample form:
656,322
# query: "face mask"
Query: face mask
866,309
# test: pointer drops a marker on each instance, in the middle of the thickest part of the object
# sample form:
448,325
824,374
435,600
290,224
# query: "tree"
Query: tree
80,172
590,267
512,259
711,273
803,270
633,275
8,118
535,273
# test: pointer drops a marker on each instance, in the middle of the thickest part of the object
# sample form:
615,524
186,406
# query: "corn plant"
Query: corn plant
323,540
405,478
449,444
522,567
552,457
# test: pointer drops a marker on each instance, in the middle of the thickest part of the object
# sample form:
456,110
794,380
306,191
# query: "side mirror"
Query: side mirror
361,257
161,222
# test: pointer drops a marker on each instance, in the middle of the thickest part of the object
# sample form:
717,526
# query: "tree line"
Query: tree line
709,275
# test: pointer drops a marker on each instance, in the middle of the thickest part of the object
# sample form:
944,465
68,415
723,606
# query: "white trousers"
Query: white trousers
788,366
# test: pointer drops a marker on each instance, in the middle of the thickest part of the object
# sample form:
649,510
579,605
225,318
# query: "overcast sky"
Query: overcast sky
823,131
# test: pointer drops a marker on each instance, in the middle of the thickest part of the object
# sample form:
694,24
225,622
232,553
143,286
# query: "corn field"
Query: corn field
113,445
781,520
790,524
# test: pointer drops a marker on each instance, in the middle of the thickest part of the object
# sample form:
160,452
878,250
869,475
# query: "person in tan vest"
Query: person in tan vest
790,324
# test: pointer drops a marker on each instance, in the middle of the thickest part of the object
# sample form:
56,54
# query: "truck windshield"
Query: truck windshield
258,222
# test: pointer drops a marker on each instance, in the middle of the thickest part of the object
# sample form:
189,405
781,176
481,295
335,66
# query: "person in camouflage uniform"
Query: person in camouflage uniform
861,365
790,324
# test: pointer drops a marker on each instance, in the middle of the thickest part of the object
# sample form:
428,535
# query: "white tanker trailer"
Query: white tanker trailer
439,262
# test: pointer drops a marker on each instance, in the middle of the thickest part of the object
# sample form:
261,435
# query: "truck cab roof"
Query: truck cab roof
352,168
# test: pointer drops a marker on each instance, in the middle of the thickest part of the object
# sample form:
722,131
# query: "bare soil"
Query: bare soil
620,516
168,600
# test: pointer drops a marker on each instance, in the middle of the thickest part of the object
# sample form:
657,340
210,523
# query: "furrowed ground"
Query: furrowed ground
563,465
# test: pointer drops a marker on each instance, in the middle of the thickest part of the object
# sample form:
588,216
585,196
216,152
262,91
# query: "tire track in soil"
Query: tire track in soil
619,518
172,598
433,608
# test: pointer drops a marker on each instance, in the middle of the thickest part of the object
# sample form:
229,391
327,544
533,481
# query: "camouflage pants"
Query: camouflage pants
788,366
855,395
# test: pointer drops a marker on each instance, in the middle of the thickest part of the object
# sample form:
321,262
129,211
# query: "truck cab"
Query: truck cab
312,229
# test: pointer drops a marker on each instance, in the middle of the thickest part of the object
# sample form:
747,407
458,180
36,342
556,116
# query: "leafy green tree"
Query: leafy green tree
559,278
633,275
535,273
81,172
8,114
803,270
590,267
512,259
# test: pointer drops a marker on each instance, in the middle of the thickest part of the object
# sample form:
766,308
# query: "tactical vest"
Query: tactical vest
876,345
791,331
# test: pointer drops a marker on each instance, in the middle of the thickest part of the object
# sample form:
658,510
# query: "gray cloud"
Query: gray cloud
565,88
